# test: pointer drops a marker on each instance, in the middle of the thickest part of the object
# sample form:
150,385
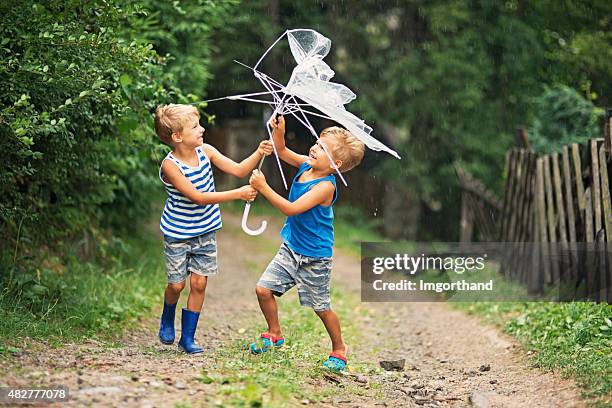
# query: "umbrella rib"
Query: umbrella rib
272,80
267,85
237,96
255,100
269,48
316,114
306,123
279,105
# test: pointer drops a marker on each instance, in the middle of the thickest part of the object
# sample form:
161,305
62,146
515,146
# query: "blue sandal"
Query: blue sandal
336,362
268,341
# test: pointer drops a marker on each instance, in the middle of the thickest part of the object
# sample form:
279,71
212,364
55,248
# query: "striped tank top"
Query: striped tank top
181,218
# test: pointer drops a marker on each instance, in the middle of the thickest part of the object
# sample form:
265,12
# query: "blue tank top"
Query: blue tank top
182,218
310,233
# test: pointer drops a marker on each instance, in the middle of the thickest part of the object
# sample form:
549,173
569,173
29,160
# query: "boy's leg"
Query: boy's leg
175,253
191,315
332,325
196,293
314,291
166,324
276,280
173,292
201,264
269,308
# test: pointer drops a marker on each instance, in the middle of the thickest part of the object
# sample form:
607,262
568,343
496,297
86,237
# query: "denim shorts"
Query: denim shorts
311,275
192,255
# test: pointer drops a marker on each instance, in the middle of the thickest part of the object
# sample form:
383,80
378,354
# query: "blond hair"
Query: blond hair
347,147
172,119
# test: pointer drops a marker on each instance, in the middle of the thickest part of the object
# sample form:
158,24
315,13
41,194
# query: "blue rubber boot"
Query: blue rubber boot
189,321
166,326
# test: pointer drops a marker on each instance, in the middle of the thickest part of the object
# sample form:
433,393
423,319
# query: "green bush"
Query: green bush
73,93
563,116
80,81
181,33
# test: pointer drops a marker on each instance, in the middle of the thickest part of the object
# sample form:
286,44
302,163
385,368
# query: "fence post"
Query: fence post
608,130
538,278
467,219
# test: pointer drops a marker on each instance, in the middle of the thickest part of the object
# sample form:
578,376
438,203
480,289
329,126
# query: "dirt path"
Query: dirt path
452,360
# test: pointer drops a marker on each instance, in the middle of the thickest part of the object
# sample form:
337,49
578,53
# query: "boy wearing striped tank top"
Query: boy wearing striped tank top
191,215
305,256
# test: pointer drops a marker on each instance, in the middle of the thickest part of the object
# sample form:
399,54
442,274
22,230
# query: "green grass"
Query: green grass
291,373
70,300
67,299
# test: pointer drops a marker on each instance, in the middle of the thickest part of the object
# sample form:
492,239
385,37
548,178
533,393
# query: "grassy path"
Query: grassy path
451,359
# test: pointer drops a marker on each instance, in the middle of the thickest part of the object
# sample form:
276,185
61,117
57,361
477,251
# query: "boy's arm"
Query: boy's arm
319,194
287,155
173,175
243,168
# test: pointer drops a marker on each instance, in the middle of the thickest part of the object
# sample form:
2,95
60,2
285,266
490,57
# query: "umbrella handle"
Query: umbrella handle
245,227
247,209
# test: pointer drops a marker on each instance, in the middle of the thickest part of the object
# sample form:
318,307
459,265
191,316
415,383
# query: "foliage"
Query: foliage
80,81
563,116
180,33
66,298
73,91
577,39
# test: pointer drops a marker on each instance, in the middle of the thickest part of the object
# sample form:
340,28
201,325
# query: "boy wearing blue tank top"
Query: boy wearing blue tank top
191,214
305,256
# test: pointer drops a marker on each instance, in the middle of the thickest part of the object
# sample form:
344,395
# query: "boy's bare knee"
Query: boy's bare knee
176,287
324,313
263,293
198,283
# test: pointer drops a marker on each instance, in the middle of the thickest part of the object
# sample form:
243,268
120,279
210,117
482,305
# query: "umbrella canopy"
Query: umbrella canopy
310,87
310,81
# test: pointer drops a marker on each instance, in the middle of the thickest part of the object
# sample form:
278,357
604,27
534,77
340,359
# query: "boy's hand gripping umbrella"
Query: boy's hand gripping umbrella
308,86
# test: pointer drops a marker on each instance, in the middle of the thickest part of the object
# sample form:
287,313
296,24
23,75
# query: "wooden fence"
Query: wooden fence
480,210
556,215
